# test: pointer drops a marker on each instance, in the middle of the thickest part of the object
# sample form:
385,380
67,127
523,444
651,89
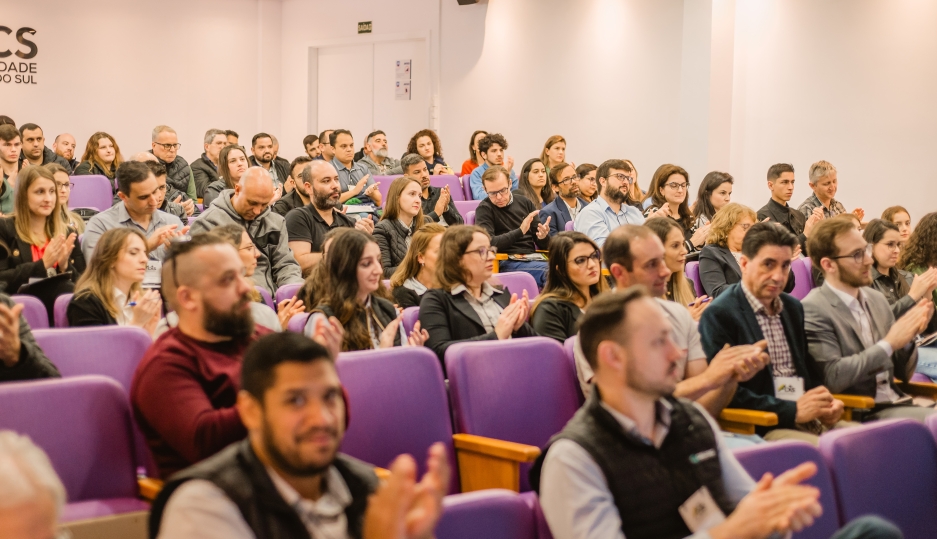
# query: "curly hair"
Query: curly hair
492,138
437,146
725,220
921,250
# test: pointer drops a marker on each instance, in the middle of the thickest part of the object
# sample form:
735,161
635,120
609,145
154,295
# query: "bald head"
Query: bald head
31,494
64,146
143,157
322,185
253,193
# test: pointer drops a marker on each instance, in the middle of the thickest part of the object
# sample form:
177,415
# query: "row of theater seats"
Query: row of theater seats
801,267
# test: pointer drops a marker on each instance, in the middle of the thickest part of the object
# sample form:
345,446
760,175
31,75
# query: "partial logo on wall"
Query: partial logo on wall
18,51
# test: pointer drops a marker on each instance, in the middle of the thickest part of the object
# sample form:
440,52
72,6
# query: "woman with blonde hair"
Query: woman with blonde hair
102,157
679,288
403,216
554,152
416,274
232,164
63,184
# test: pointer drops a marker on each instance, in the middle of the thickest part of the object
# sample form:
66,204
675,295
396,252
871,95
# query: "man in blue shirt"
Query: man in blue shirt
355,178
491,149
611,209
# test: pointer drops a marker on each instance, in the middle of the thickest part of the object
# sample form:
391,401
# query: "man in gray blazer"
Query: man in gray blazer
851,332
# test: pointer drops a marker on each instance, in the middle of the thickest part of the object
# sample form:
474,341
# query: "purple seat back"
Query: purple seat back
84,425
190,220
465,206
112,351
60,314
779,457
492,514
383,184
91,192
803,281
410,317
569,225
569,347
692,273
268,299
287,291
455,186
518,390
397,404
34,311
874,462
298,322
809,264
469,217
931,423
518,281
467,187
920,377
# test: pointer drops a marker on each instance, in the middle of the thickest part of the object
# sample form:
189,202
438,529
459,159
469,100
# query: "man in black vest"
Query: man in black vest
287,479
636,462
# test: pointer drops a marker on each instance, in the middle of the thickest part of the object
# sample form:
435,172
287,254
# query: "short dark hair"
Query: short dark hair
373,134
604,318
299,161
129,173
6,120
555,172
28,127
606,167
325,138
263,356
775,171
875,230
762,234
259,136
617,248
158,169
310,139
230,133
333,136
822,241
492,138
8,132
584,169
409,160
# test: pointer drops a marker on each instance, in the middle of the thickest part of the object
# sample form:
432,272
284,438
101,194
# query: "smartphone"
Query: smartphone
706,300
924,340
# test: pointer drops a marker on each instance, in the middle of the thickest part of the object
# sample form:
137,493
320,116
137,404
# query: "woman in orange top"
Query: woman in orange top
474,160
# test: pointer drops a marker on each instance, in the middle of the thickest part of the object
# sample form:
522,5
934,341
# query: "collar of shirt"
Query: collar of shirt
416,286
335,496
758,306
124,310
123,217
339,166
409,229
781,210
487,291
854,304
662,410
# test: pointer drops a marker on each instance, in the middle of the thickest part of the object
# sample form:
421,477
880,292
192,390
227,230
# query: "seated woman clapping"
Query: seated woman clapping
356,296
679,289
575,278
417,273
403,215
110,292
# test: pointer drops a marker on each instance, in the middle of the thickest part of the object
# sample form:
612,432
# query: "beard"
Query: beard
264,158
382,153
615,195
854,278
292,464
237,323
324,201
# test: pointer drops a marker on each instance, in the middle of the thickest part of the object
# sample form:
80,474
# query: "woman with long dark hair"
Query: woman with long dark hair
232,164
533,184
475,157
901,288
668,192
715,191
588,187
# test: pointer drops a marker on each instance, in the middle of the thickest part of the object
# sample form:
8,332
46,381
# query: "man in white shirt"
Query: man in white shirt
612,208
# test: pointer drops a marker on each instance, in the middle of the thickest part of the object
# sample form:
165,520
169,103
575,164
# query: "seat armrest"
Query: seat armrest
857,402
919,389
489,463
149,487
740,421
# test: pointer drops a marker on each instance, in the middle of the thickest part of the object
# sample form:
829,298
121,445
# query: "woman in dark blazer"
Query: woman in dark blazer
403,215
575,278
719,260
466,307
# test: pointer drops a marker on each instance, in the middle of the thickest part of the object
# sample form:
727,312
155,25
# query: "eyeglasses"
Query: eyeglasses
858,256
892,245
253,247
65,186
590,179
677,186
621,177
583,260
483,252
745,226
169,147
499,194
573,178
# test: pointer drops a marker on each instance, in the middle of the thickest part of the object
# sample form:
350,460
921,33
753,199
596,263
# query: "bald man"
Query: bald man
64,147
248,205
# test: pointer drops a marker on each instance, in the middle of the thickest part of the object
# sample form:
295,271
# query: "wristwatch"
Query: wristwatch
51,272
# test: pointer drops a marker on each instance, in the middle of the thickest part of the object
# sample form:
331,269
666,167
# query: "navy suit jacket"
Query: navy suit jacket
731,320
559,214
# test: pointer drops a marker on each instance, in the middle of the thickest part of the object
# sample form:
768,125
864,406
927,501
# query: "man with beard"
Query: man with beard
64,147
308,225
34,147
297,196
437,201
287,479
611,209
851,330
185,388
566,206
262,147
376,158
166,149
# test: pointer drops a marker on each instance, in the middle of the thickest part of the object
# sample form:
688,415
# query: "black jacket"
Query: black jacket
787,216
178,173
18,267
211,192
391,237
718,270
451,215
48,156
86,309
204,172
32,363
449,319
89,168
384,311
406,297
556,319
287,202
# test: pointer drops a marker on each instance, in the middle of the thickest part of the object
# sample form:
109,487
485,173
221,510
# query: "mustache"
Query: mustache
317,431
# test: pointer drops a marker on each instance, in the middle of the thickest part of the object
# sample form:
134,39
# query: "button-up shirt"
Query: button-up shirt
348,177
486,307
782,364
124,310
117,216
597,219
813,203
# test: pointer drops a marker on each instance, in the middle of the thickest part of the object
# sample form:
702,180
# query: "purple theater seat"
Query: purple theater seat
692,273
383,184
34,311
922,378
287,291
455,186
517,282
469,217
81,351
91,191
803,281
776,458
887,468
488,514
569,226
397,404
410,317
267,298
569,347
467,187
518,390
298,322
60,310
809,266
84,424
465,206
190,220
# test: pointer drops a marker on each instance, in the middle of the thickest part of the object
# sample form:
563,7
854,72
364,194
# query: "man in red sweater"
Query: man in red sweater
185,388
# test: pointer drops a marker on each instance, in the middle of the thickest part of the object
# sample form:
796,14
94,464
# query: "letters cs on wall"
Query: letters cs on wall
13,71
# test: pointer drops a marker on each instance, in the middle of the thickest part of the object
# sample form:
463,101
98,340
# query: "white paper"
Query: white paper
154,274
403,90
403,70
789,388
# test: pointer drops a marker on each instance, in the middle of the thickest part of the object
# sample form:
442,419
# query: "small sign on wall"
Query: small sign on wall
403,69
364,27
403,90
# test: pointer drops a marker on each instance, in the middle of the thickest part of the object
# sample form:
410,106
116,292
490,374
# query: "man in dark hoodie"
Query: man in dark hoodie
64,147
34,147
205,168
166,149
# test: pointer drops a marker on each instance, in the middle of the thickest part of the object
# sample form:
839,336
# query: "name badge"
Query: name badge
700,511
154,274
789,388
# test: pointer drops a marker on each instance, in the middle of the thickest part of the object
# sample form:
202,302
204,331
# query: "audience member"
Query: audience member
669,192
852,333
715,191
466,307
205,168
38,243
311,145
533,184
901,217
6,120
63,185
553,153
31,495
21,358
612,207
919,254
781,185
326,150
248,205
512,223
168,200
566,205
636,194
901,288
276,484
102,156
34,147
139,194
232,137
588,185
475,157
822,179
491,148
376,158
178,172
232,164
355,179
109,293
10,165
426,144
297,197
417,272
720,260
264,157
279,162
403,216
574,280
679,288
316,284
356,297
437,201
64,147
755,310
604,475
307,226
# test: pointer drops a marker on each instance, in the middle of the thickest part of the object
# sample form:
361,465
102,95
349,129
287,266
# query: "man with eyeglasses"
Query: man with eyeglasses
166,149
515,229
565,207
851,330
613,206
781,185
